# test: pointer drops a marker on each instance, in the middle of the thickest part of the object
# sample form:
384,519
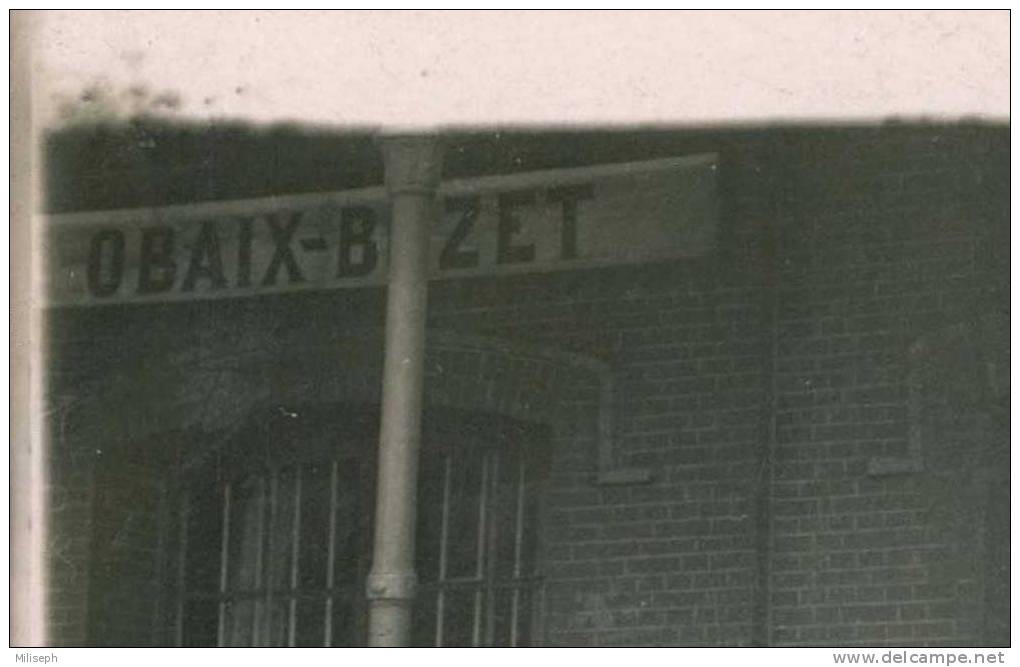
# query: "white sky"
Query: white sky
441,68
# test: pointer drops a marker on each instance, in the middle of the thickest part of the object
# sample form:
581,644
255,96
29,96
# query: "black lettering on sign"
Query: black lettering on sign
357,224
568,196
510,226
205,262
452,256
244,239
157,269
104,277
283,255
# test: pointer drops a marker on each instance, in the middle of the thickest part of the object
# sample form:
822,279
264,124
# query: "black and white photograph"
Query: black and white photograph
517,328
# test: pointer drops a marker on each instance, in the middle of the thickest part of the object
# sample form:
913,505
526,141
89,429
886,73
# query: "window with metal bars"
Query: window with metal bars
476,555
275,538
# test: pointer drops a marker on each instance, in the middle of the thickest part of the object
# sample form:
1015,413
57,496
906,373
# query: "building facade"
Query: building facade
796,437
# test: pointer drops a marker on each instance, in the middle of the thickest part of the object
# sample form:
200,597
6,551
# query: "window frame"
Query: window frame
445,433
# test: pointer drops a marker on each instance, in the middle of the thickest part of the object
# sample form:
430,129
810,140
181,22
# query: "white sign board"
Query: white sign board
539,221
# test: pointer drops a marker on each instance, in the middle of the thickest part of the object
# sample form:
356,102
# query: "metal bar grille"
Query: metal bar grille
515,603
485,585
295,541
224,558
444,534
492,544
331,558
256,616
261,573
480,551
271,537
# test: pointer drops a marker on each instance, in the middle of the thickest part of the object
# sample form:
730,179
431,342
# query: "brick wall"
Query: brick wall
880,241
70,533
883,243
670,562
127,578
757,384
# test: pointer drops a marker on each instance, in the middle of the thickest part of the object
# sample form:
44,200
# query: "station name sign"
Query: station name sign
540,221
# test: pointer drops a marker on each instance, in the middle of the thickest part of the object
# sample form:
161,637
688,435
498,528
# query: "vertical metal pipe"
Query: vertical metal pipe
271,538
260,559
483,503
412,176
295,553
493,548
224,557
518,539
331,557
444,538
